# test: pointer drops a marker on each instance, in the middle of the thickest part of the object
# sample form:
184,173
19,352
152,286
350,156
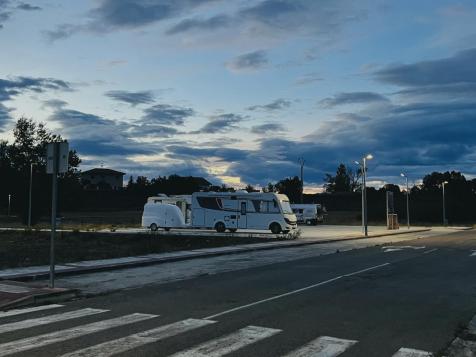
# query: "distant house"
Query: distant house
102,179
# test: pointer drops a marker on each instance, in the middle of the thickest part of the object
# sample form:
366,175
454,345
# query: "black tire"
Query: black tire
275,228
220,227
167,229
232,230
153,227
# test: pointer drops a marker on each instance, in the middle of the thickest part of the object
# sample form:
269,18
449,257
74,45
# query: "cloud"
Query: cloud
308,78
352,98
28,7
194,153
138,13
268,128
62,31
8,8
220,124
458,68
4,115
94,135
55,103
132,98
248,62
165,114
13,87
210,24
275,105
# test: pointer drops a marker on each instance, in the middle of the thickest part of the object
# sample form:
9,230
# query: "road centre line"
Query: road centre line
295,291
430,251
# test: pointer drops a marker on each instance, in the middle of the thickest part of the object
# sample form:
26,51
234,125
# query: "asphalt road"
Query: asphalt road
366,302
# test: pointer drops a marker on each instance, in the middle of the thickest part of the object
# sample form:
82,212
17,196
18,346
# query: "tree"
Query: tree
345,180
290,187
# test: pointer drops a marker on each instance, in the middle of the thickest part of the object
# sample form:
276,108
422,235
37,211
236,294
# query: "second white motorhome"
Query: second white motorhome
308,213
242,210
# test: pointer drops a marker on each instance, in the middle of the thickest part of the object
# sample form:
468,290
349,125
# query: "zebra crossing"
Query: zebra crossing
321,346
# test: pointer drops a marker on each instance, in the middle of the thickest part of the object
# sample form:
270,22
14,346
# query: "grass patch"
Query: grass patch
30,248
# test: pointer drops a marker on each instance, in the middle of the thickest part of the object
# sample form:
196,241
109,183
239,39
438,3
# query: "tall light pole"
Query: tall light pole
363,165
408,200
444,206
301,162
30,195
9,203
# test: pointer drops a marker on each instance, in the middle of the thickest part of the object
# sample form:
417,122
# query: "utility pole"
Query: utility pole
444,205
301,162
30,194
363,165
408,200
9,203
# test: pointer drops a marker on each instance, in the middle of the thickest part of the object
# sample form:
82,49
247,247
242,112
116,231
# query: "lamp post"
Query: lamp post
408,200
363,165
444,206
30,195
301,162
9,203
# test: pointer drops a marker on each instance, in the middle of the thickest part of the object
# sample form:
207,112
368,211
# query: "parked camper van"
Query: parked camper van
308,213
163,215
242,210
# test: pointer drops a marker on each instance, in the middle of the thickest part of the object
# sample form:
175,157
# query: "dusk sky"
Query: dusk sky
236,91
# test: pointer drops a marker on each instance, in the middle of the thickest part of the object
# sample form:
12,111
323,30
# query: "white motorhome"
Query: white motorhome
242,210
163,215
308,213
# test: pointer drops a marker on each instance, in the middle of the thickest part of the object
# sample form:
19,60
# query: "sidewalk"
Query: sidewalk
14,294
82,267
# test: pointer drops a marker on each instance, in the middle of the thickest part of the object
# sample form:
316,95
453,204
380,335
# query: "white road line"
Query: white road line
409,352
295,291
27,310
30,343
430,251
229,343
127,343
323,346
19,325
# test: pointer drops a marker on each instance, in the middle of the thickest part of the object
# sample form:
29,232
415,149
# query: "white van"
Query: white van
163,215
308,213
242,210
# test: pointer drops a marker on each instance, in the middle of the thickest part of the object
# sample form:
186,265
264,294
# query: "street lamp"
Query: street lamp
444,208
363,165
9,203
301,162
408,200
30,194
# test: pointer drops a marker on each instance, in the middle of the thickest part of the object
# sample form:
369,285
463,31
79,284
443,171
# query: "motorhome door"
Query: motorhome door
242,220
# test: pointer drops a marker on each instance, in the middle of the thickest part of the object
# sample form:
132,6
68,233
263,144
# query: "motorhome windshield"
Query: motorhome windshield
286,207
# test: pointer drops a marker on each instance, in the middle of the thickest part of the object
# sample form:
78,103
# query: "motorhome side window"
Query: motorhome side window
265,206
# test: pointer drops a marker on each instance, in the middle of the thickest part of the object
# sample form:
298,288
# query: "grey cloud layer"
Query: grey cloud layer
352,98
132,98
248,61
9,7
165,114
220,124
277,104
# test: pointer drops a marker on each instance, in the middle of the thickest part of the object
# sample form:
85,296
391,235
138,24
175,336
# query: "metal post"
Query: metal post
53,214
363,201
408,205
364,192
9,204
301,162
444,208
30,194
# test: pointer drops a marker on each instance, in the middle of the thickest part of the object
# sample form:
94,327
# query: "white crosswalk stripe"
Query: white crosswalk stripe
323,346
409,352
127,343
229,343
29,343
14,326
28,310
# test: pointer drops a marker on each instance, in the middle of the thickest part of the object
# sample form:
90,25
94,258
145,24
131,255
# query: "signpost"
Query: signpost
57,154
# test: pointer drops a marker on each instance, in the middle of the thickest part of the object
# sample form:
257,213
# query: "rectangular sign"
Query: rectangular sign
62,156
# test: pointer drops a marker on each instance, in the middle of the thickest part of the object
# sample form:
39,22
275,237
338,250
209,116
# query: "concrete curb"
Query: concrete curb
194,254
41,299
